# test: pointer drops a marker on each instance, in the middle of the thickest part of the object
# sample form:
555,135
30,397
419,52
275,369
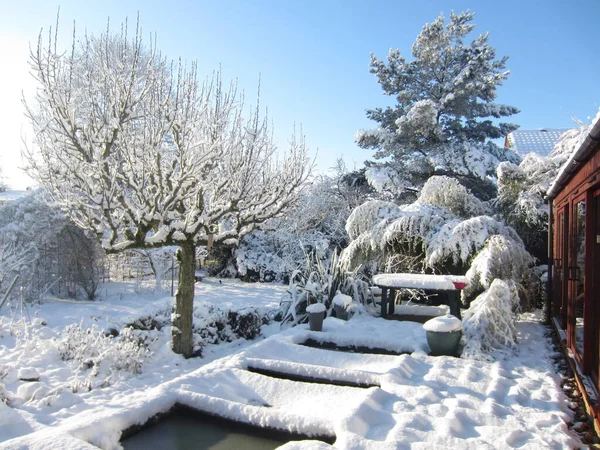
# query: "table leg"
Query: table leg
384,300
392,301
454,303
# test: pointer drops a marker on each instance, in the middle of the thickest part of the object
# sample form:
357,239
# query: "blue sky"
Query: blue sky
313,57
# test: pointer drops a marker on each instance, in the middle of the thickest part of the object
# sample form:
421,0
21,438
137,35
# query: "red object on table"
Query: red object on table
459,285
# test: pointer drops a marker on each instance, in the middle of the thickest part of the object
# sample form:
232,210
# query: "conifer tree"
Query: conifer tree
445,108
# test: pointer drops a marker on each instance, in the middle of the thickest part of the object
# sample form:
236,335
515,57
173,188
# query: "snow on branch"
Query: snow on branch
136,149
501,258
459,240
489,323
449,193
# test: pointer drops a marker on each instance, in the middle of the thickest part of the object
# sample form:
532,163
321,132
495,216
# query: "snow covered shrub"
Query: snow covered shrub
521,200
457,241
50,254
211,325
245,323
80,263
319,282
489,323
214,325
501,258
364,217
274,255
316,224
404,240
450,194
91,349
522,190
421,237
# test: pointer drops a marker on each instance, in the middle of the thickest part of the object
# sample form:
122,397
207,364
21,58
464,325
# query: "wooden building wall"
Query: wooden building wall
575,289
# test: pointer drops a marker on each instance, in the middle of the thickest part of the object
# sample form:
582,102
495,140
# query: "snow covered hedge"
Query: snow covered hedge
438,228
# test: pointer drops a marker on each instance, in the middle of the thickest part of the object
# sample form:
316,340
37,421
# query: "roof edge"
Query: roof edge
591,141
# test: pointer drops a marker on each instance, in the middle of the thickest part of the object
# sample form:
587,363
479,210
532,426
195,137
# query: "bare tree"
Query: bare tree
141,153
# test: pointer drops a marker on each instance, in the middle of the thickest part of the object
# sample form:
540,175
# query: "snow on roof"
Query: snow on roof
534,141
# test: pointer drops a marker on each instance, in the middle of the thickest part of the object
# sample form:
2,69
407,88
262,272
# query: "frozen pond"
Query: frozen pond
185,428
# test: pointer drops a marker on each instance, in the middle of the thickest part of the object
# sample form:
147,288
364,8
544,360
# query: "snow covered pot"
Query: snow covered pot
316,314
443,335
341,303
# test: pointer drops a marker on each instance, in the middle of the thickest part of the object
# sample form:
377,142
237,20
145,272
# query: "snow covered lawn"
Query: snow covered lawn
414,400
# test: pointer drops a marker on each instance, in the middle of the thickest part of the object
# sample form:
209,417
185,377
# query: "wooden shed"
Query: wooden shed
574,257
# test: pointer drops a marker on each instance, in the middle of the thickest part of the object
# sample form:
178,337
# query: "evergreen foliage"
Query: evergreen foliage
445,108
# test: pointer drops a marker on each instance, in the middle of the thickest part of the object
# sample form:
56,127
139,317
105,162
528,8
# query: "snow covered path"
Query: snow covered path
413,400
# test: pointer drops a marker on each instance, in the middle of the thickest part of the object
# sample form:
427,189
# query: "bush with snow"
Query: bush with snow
501,258
458,241
421,237
91,349
364,217
274,255
489,323
522,190
50,254
211,325
319,282
450,194
316,224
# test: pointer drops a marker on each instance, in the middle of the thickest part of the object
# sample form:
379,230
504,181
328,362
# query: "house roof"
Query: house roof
539,141
590,145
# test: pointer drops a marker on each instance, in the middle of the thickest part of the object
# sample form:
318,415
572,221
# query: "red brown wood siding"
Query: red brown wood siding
575,296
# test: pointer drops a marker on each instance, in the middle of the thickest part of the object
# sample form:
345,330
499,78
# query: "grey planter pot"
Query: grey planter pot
340,312
315,321
444,342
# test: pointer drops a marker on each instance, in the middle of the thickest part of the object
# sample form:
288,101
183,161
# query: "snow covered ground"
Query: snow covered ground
410,400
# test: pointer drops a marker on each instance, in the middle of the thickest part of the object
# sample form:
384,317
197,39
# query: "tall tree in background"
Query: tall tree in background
139,152
444,108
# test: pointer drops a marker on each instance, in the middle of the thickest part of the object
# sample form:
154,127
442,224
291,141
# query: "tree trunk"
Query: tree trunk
184,302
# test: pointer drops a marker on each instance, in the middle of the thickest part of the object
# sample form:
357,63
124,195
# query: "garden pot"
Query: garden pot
444,343
316,314
341,303
443,335
315,321
340,312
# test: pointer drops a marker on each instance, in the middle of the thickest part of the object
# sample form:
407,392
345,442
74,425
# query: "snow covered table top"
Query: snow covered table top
420,281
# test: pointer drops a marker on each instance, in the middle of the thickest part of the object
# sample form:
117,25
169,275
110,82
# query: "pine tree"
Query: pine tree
444,108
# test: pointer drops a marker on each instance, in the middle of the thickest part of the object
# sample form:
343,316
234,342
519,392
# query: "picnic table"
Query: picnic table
448,287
